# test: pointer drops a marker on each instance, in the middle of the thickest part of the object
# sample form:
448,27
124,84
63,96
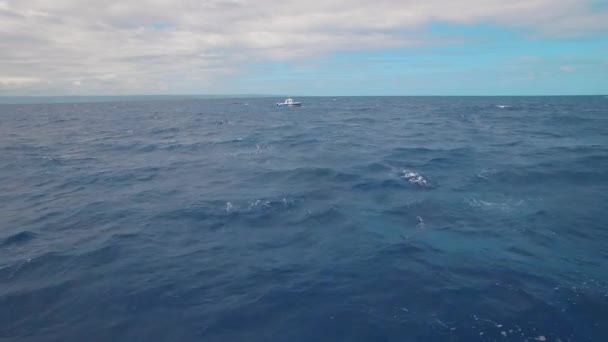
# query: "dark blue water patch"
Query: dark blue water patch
354,219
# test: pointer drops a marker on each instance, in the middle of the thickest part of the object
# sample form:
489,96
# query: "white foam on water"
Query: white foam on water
506,207
414,177
254,204
486,173
442,323
259,205
420,224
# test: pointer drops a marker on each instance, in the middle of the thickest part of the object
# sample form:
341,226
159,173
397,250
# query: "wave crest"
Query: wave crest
414,177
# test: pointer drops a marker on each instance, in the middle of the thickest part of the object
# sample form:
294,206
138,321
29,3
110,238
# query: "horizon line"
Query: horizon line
67,99
300,95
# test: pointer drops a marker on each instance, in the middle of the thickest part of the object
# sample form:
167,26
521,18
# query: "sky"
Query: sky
314,47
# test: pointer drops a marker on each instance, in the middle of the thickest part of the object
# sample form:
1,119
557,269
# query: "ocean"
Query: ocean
348,219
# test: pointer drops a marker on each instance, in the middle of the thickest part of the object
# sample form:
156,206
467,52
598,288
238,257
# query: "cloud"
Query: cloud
185,45
17,81
567,68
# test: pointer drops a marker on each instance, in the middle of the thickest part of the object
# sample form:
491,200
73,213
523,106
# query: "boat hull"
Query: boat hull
295,104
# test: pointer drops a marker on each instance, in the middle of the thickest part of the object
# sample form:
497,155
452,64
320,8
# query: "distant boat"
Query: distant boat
289,103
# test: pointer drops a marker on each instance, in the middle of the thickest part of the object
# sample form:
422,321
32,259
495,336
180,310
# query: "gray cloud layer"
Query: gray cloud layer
150,46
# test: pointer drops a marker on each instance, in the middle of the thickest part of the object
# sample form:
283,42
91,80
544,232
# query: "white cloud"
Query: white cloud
567,68
176,45
17,81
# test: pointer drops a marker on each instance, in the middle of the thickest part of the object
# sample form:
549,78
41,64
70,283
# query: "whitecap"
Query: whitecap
259,204
503,106
255,204
420,224
487,173
414,177
508,206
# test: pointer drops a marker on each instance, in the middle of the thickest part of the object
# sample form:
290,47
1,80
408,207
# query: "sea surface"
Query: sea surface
348,219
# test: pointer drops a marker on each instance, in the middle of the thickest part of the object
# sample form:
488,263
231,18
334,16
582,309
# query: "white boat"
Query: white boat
289,103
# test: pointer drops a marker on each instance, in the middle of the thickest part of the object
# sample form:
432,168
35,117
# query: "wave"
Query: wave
305,139
377,167
507,206
534,176
413,214
216,214
389,177
18,239
375,184
163,131
327,215
259,206
360,121
508,107
68,160
414,177
238,140
312,175
423,155
46,265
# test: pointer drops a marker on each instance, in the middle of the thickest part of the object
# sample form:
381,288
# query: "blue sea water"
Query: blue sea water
348,219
